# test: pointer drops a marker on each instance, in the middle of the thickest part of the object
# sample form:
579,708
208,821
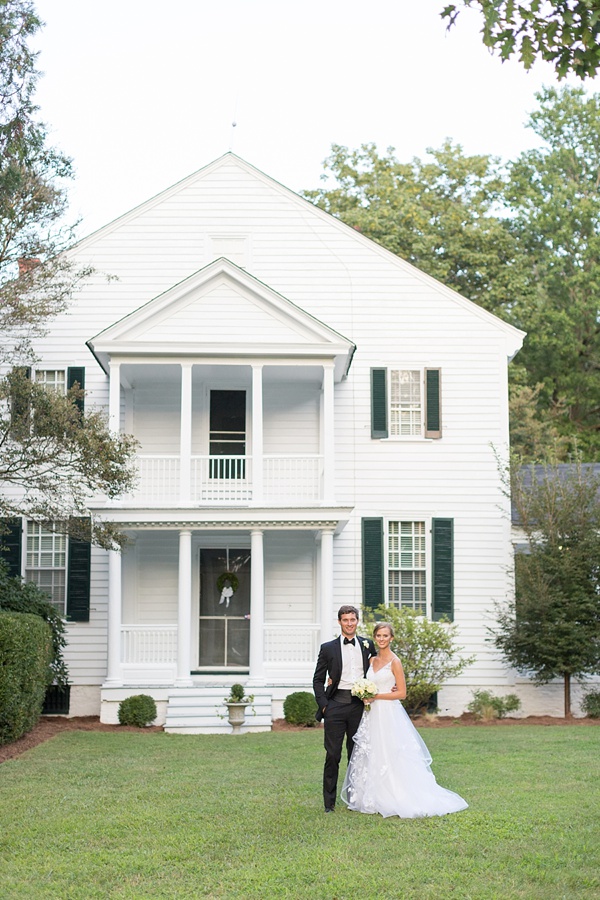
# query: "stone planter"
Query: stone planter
237,715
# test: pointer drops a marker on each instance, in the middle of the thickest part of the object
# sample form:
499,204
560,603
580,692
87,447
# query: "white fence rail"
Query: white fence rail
149,644
157,644
228,479
291,643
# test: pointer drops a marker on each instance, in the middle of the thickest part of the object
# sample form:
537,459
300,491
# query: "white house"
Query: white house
314,415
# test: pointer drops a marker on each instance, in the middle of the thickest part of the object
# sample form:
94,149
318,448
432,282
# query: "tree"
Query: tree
554,196
53,456
520,239
565,33
439,214
551,629
426,649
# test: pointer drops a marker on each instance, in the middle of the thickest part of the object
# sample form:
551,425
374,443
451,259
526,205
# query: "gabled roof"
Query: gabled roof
222,311
514,337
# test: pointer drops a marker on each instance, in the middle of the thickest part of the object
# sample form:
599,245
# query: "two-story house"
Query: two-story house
316,422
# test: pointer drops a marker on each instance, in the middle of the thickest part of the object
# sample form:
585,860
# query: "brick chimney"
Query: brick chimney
26,264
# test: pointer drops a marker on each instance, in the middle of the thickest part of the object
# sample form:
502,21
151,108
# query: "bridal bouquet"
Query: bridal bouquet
364,690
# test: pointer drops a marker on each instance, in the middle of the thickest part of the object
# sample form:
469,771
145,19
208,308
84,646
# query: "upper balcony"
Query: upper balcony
229,388
287,480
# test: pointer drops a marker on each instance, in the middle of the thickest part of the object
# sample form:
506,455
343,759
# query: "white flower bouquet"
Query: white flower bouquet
364,690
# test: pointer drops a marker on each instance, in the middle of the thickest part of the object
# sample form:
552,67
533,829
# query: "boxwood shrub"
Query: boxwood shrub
140,710
299,708
26,655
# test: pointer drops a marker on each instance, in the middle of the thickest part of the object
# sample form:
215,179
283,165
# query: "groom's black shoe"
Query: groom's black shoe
329,809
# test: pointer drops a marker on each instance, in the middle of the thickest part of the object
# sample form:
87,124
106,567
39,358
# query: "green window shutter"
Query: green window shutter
76,375
78,579
11,540
443,568
433,403
372,562
379,411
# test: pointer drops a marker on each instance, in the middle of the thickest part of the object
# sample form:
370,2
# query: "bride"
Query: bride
389,772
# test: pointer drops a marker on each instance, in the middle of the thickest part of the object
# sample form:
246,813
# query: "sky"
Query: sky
142,93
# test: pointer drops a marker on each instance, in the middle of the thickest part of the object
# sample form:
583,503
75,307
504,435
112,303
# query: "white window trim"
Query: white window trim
406,438
25,568
407,517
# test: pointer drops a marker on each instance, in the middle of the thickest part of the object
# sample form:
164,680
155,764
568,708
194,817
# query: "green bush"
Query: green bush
591,704
236,694
138,710
18,596
25,672
300,708
485,705
426,649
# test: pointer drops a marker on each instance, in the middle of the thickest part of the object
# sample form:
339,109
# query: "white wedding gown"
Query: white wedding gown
389,769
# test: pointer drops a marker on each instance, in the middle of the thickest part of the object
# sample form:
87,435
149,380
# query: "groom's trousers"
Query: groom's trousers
342,718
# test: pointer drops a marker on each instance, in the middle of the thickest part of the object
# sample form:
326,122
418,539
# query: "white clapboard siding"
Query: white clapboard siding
290,578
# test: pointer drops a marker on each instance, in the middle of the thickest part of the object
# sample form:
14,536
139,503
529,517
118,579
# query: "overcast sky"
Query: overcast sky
141,93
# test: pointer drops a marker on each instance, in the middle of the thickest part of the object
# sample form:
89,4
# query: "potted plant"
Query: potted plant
236,704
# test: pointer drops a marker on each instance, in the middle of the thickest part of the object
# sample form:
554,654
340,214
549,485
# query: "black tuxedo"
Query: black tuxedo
341,719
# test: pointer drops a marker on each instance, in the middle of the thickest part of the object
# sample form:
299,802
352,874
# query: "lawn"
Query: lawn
122,815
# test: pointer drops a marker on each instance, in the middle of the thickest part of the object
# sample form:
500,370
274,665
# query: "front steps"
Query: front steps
201,710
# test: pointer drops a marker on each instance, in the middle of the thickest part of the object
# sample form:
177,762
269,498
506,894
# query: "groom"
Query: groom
345,659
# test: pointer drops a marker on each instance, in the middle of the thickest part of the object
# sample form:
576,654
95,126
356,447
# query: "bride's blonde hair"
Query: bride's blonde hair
380,625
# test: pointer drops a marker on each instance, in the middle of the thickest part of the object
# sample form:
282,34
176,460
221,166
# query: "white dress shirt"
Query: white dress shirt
352,664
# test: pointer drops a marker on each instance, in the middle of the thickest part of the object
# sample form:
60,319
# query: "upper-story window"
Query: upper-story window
406,403
53,379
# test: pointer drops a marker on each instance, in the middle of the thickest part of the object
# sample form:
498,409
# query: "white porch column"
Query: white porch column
257,609
328,435
185,441
326,584
114,396
184,610
257,434
114,675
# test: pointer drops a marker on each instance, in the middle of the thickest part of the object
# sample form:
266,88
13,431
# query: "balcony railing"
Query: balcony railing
228,479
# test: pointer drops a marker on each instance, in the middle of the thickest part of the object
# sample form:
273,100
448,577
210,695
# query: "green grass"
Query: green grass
120,815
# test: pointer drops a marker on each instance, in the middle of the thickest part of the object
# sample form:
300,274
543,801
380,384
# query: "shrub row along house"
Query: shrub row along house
317,424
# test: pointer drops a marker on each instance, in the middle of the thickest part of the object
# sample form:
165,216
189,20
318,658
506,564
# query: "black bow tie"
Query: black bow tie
350,641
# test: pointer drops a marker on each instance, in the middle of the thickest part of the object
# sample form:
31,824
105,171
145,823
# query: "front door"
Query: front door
225,609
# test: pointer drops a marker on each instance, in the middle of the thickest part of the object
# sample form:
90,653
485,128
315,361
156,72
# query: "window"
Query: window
407,566
53,379
406,403
419,561
46,562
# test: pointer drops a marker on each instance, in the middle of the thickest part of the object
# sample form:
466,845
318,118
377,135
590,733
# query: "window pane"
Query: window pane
53,379
406,568
405,402
46,560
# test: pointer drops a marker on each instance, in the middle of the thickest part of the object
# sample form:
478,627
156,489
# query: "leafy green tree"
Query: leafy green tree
427,650
551,629
439,214
53,456
554,196
521,240
565,33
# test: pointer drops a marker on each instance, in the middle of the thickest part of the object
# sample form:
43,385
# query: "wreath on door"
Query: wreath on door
227,585
228,579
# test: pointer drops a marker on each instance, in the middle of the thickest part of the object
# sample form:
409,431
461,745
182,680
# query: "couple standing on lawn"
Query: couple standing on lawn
388,762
